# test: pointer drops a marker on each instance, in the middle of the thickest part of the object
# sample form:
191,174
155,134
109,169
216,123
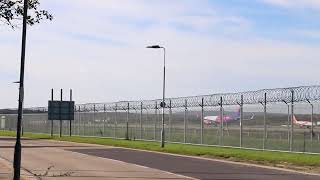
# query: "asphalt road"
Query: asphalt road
85,161
50,160
195,167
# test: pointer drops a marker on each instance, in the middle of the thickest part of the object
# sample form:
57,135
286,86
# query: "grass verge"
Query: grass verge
260,157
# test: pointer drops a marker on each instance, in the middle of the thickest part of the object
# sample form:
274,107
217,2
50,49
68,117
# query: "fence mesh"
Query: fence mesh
263,119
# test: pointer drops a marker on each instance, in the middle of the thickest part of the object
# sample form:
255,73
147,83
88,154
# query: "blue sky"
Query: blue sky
97,48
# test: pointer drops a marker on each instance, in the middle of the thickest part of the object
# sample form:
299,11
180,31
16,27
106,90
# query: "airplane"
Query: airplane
303,124
209,120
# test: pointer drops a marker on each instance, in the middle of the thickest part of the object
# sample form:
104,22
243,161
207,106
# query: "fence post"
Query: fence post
127,123
201,121
83,123
60,114
51,120
241,118
170,116
147,122
104,119
288,123
79,120
292,116
264,121
311,132
185,122
221,123
155,122
94,118
141,106
115,122
70,122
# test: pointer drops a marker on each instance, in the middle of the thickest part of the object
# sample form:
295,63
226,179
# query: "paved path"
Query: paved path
5,171
83,161
52,160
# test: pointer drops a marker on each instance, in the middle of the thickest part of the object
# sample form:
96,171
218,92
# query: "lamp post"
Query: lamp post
162,104
18,82
17,148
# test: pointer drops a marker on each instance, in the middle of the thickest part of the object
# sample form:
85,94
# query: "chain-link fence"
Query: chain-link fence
286,119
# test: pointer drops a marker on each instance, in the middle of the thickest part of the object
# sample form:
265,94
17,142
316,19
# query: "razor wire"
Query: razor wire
301,93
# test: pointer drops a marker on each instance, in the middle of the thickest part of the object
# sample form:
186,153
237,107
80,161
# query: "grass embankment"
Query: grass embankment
260,157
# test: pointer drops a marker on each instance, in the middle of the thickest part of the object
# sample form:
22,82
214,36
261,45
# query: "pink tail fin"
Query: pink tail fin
294,120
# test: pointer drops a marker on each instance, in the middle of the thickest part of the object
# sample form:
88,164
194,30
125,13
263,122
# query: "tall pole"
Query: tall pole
163,97
162,104
17,148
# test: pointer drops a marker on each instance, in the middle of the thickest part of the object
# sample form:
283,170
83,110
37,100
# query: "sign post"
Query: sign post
60,110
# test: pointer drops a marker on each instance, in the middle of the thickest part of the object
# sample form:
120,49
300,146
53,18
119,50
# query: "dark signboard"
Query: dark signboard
61,110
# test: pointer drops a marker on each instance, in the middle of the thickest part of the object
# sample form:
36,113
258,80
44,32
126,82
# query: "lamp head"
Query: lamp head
154,47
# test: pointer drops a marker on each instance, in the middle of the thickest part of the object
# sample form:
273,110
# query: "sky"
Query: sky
97,48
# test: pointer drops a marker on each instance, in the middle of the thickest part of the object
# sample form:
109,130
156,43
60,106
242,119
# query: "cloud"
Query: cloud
314,34
310,4
99,52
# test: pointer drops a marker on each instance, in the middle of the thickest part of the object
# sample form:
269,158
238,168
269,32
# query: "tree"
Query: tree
12,10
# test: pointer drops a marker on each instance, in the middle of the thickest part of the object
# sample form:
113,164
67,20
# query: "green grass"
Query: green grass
262,157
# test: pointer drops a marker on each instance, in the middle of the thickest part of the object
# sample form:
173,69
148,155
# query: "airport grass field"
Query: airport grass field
235,154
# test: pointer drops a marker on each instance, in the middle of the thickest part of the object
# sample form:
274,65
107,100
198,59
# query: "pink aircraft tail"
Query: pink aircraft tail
294,120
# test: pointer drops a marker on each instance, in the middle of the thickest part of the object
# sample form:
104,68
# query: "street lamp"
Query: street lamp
17,148
162,104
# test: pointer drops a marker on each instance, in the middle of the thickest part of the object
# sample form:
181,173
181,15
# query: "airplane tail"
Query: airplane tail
294,120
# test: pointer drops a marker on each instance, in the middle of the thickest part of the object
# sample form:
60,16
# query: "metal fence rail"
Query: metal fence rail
273,127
